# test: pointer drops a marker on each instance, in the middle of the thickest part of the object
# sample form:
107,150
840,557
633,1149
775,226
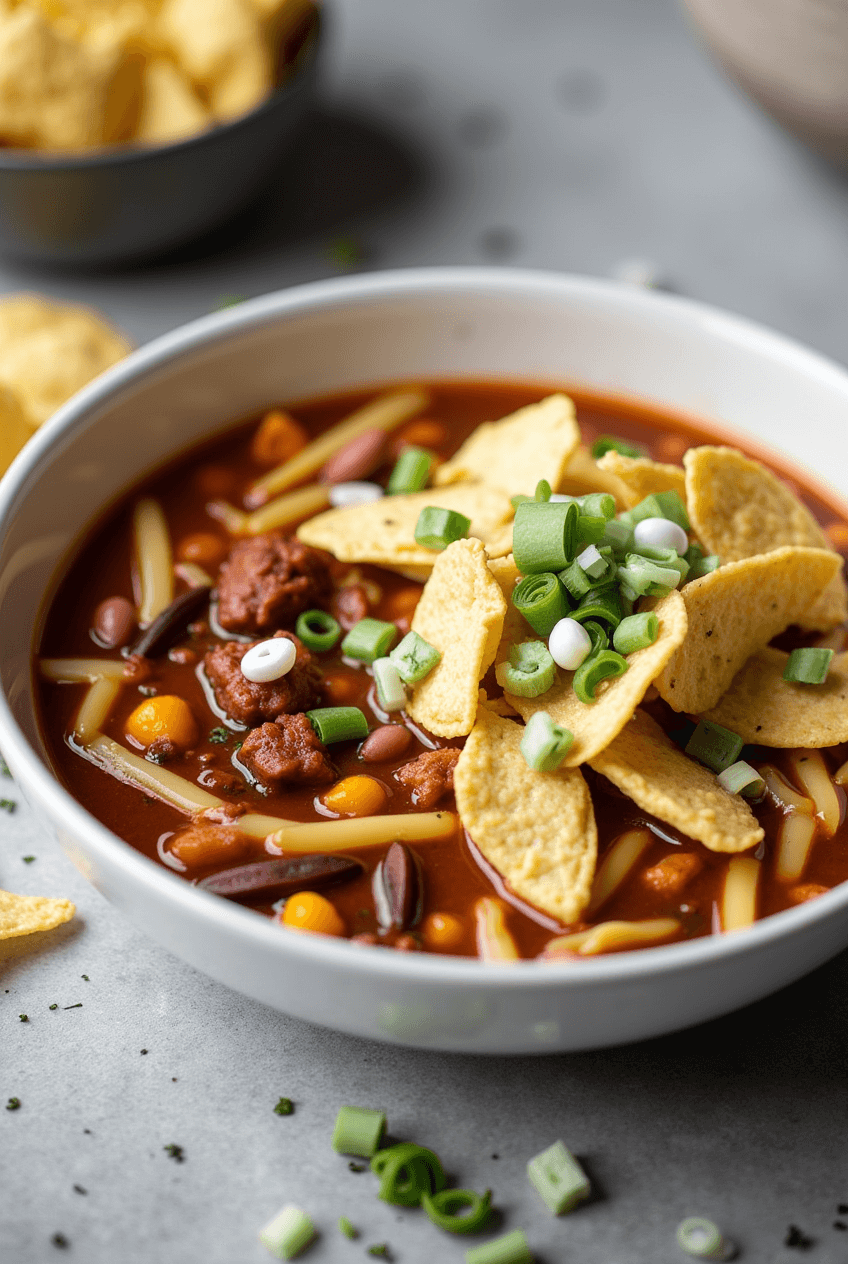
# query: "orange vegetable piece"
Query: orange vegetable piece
420,434
670,448
441,930
339,690
355,796
401,604
672,873
806,891
309,911
278,439
163,716
837,534
202,548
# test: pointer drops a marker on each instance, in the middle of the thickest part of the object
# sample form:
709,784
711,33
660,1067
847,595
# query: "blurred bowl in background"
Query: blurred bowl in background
791,57
131,203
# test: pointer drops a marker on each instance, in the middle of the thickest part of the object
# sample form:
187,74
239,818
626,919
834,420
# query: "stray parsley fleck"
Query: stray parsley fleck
345,1227
77,1006
843,1209
4,767
230,300
8,805
53,1006
381,1249
795,1237
284,1106
85,976
78,1189
146,800
175,1152
24,1018
27,859
356,1167
237,747
14,1103
344,252
219,734
60,1241
840,1224
143,1051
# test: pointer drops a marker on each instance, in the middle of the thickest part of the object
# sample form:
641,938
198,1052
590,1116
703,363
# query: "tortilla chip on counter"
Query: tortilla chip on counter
735,611
642,477
594,725
461,613
647,766
27,914
383,532
738,508
767,710
536,828
513,454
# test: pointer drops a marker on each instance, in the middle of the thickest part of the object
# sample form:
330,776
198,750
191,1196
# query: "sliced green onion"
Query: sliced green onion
808,666
318,630
369,639
544,536
604,665
558,1179
288,1233
411,472
598,634
530,671
664,557
741,778
699,564
437,528
544,744
391,693
642,577
358,1130
661,505
338,724
609,443
542,601
407,1172
592,562
590,530
543,491
349,1230
519,499
414,658
512,1248
619,536
636,632
702,1239
575,580
600,603
442,1209
714,746
598,505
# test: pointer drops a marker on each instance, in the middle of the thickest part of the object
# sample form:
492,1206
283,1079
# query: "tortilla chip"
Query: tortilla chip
461,612
514,454
735,611
383,532
738,508
647,766
48,350
26,914
15,427
595,725
220,44
515,627
536,828
642,477
767,710
583,474
171,108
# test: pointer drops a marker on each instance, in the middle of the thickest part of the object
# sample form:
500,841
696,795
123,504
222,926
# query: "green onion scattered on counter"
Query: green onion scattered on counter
442,1209
558,1179
289,1233
406,1172
512,1248
702,1239
358,1131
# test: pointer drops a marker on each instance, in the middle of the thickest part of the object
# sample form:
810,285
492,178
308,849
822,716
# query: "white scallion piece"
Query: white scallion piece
703,1239
569,644
288,1234
342,495
741,778
391,692
591,562
558,1179
660,533
269,660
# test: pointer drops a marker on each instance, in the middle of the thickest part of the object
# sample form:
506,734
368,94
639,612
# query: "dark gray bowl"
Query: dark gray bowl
129,203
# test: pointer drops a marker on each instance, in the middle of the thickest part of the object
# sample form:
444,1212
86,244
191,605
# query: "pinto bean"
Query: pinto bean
390,741
114,622
357,458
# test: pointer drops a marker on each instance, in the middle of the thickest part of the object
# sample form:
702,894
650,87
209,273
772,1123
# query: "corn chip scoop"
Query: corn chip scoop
642,477
584,474
738,509
735,611
461,613
513,454
537,829
647,766
595,725
767,710
28,914
515,627
383,532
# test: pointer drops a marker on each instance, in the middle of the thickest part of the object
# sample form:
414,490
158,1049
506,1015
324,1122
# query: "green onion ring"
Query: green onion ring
442,1208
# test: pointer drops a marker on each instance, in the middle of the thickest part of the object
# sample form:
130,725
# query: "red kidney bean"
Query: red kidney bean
390,741
171,624
275,878
397,888
356,459
114,622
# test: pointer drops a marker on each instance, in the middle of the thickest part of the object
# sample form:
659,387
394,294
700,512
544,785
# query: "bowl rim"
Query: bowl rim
124,153
243,923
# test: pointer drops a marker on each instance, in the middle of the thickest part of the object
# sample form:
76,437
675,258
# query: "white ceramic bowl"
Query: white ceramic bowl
370,329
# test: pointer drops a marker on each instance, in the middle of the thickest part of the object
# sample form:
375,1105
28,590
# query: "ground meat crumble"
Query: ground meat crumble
288,751
251,703
430,776
267,581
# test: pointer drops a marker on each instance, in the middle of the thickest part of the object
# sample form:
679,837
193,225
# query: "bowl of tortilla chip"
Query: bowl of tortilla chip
144,123
400,327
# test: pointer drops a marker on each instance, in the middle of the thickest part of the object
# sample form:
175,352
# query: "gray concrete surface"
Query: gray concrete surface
571,134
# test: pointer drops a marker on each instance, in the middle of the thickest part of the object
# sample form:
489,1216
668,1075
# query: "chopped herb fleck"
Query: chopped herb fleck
230,300
14,1103
237,747
284,1106
795,1237
27,859
53,1006
8,805
356,1167
843,1209
840,1224
85,976
381,1249
345,1227
24,1018
60,1241
219,734
344,252
146,800
143,1051
175,1152
78,1189
4,768
77,1006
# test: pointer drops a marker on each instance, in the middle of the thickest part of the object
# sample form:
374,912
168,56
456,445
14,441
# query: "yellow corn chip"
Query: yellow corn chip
219,43
171,109
15,427
583,474
647,766
461,613
515,627
536,828
383,532
738,508
642,476
594,725
48,351
765,709
735,611
26,914
515,453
